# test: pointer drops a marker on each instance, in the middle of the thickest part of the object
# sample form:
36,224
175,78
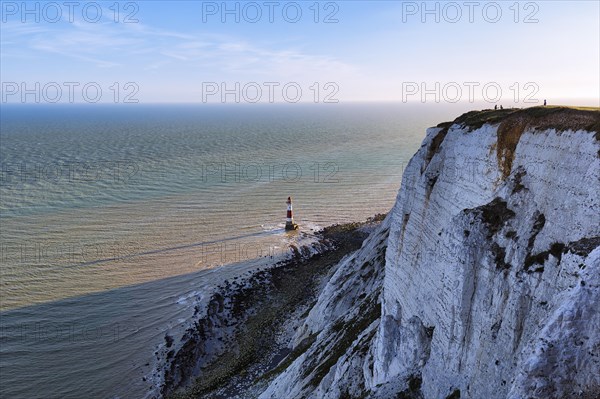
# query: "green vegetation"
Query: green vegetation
514,121
557,117
581,247
293,355
434,147
495,215
346,331
476,119
414,388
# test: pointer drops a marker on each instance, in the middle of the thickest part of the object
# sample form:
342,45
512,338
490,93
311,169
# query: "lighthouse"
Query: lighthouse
289,221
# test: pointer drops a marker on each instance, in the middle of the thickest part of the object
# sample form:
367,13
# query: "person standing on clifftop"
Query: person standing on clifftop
544,103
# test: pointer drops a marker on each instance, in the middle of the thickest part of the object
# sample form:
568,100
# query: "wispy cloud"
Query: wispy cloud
108,45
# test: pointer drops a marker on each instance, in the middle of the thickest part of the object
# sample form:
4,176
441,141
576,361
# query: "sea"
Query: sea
117,221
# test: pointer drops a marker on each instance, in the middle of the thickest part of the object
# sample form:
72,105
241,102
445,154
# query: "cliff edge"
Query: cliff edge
484,279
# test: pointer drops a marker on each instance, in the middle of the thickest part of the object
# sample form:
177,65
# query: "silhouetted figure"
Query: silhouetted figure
544,103
495,107
501,107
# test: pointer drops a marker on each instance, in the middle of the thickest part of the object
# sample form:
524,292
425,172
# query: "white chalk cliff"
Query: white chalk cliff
482,282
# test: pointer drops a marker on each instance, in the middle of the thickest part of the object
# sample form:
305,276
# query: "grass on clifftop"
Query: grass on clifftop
514,121
543,117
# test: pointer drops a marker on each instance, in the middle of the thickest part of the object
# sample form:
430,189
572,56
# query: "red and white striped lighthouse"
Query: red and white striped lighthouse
289,221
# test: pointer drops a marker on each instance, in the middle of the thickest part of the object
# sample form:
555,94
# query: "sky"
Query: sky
503,52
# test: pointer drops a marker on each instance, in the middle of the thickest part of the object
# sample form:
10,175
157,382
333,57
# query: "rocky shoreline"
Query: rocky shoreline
242,339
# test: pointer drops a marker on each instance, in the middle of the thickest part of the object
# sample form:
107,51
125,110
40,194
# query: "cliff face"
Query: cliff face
490,286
